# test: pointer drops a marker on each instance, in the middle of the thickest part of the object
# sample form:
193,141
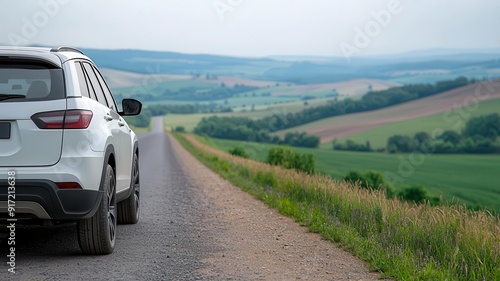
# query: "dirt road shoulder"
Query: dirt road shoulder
260,244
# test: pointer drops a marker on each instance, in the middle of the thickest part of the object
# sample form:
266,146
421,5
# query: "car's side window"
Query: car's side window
82,81
94,82
105,89
89,85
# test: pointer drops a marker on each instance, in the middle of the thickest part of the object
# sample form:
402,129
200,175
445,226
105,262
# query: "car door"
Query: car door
116,126
125,133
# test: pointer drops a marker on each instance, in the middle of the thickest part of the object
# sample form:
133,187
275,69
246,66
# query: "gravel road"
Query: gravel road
193,226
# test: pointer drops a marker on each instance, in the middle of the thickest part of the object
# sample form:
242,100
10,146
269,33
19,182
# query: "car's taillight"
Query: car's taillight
68,185
77,119
64,119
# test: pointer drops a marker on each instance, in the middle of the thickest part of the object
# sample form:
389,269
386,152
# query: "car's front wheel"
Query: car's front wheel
97,235
128,209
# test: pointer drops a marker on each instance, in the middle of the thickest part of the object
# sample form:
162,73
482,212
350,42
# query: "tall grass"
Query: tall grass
400,240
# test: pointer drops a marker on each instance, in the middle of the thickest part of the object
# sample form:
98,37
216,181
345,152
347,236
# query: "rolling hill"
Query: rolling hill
427,67
347,125
431,124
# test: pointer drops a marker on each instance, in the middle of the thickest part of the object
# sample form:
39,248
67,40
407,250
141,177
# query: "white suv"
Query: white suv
62,136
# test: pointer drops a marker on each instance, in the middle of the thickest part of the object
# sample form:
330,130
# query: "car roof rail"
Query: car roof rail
66,49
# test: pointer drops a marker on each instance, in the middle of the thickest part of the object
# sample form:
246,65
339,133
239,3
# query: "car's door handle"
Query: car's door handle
108,118
121,124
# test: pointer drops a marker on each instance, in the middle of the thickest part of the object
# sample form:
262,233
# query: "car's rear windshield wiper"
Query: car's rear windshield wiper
11,96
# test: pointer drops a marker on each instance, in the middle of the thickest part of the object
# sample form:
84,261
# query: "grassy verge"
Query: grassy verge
472,179
402,241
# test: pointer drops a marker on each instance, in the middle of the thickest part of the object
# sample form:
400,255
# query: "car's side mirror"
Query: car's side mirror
131,107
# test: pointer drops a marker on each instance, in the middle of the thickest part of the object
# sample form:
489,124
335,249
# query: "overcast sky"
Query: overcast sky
254,27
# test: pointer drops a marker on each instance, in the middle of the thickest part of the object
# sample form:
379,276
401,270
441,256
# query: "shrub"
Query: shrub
416,194
289,159
400,144
240,152
301,139
370,180
487,126
180,129
450,136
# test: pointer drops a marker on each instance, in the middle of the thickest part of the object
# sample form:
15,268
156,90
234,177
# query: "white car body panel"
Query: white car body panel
64,155
29,145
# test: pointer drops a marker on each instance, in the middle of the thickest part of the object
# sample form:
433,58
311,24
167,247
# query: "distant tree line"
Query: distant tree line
350,145
371,101
241,128
480,135
246,129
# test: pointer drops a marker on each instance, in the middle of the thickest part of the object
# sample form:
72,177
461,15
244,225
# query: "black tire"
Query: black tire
97,235
128,209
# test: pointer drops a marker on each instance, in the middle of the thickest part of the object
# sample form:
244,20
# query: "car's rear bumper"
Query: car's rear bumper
42,199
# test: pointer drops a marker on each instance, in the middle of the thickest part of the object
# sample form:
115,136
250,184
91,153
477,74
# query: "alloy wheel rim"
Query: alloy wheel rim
136,186
112,210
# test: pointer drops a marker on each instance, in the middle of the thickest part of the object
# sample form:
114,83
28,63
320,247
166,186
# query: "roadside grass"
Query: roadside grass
472,179
400,240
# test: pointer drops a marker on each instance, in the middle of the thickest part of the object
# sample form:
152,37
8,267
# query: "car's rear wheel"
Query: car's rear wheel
97,235
128,209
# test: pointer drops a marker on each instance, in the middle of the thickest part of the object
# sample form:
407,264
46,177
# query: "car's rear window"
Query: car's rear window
30,82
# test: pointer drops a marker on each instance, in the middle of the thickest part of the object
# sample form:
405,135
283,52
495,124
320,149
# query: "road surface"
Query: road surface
193,226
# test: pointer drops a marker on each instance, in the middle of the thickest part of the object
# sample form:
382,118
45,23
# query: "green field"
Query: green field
434,123
189,121
471,178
